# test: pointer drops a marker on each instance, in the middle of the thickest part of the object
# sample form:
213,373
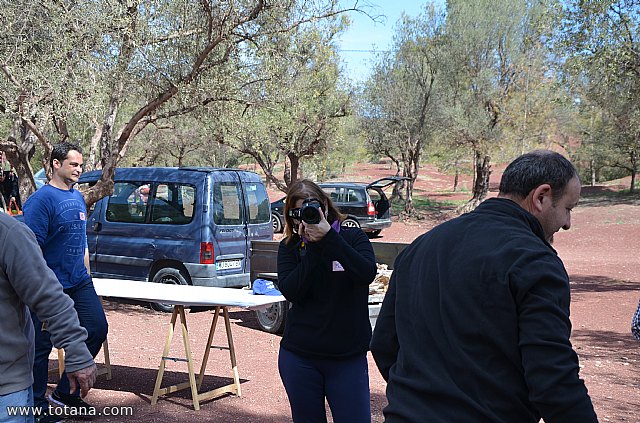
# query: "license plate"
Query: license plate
228,264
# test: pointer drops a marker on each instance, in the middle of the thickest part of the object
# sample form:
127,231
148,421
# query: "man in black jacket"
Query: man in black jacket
475,326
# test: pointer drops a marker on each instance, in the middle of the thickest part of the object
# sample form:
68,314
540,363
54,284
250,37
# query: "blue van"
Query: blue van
178,225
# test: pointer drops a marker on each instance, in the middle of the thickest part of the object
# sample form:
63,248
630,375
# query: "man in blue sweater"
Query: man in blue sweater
475,326
57,215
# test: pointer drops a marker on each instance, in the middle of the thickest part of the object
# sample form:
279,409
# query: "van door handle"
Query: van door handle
97,226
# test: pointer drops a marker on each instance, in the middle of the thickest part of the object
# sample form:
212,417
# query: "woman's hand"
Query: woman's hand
316,232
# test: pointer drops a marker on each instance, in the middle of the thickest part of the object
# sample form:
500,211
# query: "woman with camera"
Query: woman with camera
324,271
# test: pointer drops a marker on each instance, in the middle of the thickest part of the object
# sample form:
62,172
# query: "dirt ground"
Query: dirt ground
601,253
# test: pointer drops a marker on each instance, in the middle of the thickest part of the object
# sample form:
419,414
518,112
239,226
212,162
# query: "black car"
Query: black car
365,205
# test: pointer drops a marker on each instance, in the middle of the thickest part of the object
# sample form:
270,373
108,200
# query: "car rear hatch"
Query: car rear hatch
379,199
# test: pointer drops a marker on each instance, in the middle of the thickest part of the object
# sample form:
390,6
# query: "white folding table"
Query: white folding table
182,296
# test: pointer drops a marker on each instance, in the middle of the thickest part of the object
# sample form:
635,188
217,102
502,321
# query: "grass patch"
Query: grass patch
420,202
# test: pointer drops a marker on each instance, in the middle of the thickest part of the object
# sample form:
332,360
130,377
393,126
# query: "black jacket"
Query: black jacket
329,314
475,326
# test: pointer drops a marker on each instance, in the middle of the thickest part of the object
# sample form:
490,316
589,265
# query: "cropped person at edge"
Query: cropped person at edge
475,325
324,271
26,281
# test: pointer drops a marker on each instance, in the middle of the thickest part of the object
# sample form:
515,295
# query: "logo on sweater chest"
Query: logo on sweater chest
337,267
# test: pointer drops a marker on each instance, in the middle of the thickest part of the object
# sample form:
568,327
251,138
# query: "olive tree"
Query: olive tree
117,67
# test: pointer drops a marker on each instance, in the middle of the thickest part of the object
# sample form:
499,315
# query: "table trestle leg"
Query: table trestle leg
233,388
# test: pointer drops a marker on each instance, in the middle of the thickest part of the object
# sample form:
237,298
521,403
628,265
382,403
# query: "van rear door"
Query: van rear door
229,228
257,212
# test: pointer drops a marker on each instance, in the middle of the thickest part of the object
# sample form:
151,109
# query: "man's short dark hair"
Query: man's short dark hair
61,150
533,169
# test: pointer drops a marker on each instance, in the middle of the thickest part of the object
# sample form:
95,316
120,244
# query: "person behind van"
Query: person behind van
56,213
324,271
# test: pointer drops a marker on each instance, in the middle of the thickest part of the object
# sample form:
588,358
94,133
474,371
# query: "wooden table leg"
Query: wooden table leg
107,361
60,362
232,352
233,388
207,350
106,370
187,350
165,355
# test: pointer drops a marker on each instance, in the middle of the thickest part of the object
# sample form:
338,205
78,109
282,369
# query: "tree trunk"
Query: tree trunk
455,179
592,166
19,149
481,186
294,168
411,166
409,209
634,171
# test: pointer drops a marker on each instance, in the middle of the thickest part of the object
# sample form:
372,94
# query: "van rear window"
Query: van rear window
227,209
258,203
230,208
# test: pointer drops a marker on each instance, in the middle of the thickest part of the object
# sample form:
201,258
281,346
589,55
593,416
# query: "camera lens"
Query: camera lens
310,213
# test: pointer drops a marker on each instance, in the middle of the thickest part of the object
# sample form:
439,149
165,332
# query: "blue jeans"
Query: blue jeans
344,383
92,318
22,398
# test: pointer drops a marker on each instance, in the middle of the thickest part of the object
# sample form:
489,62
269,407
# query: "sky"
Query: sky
360,42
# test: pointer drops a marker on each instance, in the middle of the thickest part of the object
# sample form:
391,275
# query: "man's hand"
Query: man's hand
85,378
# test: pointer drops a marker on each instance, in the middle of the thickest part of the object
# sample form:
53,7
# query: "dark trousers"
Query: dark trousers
344,383
92,318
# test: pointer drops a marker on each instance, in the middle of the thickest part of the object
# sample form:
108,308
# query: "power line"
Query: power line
362,51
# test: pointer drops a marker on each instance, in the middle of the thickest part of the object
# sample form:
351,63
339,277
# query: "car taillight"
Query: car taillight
206,253
371,211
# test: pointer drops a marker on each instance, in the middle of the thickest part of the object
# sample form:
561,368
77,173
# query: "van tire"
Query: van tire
273,318
171,276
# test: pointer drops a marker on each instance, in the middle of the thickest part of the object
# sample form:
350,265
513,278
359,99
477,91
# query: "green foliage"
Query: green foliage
601,42
293,105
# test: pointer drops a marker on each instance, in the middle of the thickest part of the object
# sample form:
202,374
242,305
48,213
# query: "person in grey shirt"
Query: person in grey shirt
27,282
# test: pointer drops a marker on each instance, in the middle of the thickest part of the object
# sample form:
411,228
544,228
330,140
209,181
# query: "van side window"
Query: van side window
172,203
257,202
128,203
226,204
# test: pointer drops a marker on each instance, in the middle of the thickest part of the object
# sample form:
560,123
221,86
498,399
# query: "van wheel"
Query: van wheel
272,319
170,276
277,223
374,234
350,223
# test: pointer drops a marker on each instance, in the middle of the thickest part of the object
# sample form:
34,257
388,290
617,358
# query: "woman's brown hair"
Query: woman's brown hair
301,190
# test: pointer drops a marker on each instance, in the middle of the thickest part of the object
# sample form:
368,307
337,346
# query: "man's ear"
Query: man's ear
541,197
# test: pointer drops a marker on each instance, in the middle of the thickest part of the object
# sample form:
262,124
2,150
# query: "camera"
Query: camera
308,213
